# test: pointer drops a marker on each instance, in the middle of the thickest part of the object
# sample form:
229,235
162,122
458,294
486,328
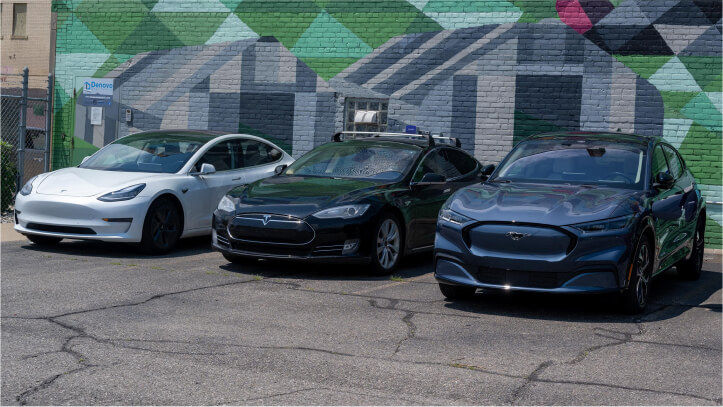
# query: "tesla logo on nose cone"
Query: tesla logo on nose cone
266,219
516,235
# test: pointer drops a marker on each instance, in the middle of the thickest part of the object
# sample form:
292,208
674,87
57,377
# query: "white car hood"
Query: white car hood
85,182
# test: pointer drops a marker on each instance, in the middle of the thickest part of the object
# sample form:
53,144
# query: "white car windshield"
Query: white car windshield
575,162
147,152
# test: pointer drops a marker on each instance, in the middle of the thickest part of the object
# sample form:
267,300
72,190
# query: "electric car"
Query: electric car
574,213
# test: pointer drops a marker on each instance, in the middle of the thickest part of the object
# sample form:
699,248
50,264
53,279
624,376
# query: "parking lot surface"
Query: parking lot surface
91,323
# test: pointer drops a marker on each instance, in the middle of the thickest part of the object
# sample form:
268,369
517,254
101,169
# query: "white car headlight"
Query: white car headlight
226,204
28,187
448,215
123,194
343,212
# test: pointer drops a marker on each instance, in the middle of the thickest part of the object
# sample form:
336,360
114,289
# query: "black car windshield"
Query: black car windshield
148,152
364,160
592,162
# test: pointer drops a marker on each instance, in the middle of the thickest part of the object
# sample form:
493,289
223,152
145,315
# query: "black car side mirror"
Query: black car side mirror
486,171
280,168
431,178
663,181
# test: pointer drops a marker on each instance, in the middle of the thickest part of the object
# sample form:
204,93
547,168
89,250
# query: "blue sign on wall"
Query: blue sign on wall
410,129
97,92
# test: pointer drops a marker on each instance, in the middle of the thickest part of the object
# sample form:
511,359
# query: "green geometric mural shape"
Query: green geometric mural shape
110,64
195,6
84,40
702,152
232,29
149,35
452,14
422,24
717,99
327,68
469,6
112,21
186,27
284,20
705,70
328,38
376,22
644,65
673,102
526,125
231,4
703,111
535,10
674,76
713,230
78,65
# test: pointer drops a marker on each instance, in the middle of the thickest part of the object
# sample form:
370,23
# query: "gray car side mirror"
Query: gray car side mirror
206,169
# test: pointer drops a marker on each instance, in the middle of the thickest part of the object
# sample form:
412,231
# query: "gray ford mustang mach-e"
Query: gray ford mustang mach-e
574,213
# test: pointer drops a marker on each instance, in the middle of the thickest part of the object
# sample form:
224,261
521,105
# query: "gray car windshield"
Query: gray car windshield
364,160
159,152
575,162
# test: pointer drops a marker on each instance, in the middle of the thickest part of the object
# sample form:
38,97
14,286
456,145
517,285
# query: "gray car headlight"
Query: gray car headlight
448,215
605,225
226,204
28,187
343,212
123,194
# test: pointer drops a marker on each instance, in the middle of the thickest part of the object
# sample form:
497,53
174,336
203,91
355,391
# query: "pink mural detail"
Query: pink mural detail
572,14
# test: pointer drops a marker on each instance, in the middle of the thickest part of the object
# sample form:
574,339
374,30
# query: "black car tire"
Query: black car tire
635,298
161,228
44,240
690,269
383,240
457,292
232,258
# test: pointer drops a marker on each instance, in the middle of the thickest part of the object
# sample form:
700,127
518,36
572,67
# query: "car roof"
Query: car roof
198,135
388,142
602,136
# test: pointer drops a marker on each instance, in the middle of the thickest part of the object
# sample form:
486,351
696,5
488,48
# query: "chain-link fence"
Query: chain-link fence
25,117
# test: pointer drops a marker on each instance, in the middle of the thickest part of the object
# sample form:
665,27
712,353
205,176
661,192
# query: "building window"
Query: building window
366,115
20,14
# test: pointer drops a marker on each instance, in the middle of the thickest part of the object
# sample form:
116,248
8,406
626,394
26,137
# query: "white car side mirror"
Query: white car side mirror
206,169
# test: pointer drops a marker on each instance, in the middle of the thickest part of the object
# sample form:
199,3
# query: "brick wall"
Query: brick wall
488,72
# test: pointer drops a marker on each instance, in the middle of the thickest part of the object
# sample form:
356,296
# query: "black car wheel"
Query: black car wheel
635,297
456,292
44,240
388,245
162,227
690,269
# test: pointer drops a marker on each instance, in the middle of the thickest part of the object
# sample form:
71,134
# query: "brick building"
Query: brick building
489,72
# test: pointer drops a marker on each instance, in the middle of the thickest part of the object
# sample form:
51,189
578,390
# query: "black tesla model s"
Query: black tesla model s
574,213
373,198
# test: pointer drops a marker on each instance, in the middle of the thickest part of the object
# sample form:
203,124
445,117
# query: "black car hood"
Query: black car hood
300,196
545,204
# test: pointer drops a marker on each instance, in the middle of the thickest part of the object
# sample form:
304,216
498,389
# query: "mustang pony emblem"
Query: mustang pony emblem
266,219
516,235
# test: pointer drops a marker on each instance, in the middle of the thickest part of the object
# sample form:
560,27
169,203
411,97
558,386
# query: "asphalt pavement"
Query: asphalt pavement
92,323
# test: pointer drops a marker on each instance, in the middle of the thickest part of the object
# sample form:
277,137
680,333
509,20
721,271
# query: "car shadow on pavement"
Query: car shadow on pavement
411,266
92,248
670,296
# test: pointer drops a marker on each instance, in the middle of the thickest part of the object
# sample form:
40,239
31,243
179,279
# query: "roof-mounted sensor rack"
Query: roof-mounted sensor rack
430,138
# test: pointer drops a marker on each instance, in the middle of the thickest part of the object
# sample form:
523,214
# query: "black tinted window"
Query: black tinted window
659,162
461,161
258,153
432,163
674,164
223,156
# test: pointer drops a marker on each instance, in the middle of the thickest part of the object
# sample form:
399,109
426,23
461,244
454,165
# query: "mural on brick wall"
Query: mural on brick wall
489,72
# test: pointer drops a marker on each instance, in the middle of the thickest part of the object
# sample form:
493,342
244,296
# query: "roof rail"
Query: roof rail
431,139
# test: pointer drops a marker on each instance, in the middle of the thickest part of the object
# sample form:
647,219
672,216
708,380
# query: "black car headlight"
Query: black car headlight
605,225
343,212
123,194
450,216
226,204
28,187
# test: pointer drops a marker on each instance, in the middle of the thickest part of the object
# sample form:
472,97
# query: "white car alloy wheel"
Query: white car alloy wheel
388,244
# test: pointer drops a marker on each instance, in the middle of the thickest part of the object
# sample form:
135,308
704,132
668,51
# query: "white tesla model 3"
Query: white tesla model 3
153,187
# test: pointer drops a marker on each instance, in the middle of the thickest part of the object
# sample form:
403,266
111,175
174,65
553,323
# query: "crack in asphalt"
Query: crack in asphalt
533,377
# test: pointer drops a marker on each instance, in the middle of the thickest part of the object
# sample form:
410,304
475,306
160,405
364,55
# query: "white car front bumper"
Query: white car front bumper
80,217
